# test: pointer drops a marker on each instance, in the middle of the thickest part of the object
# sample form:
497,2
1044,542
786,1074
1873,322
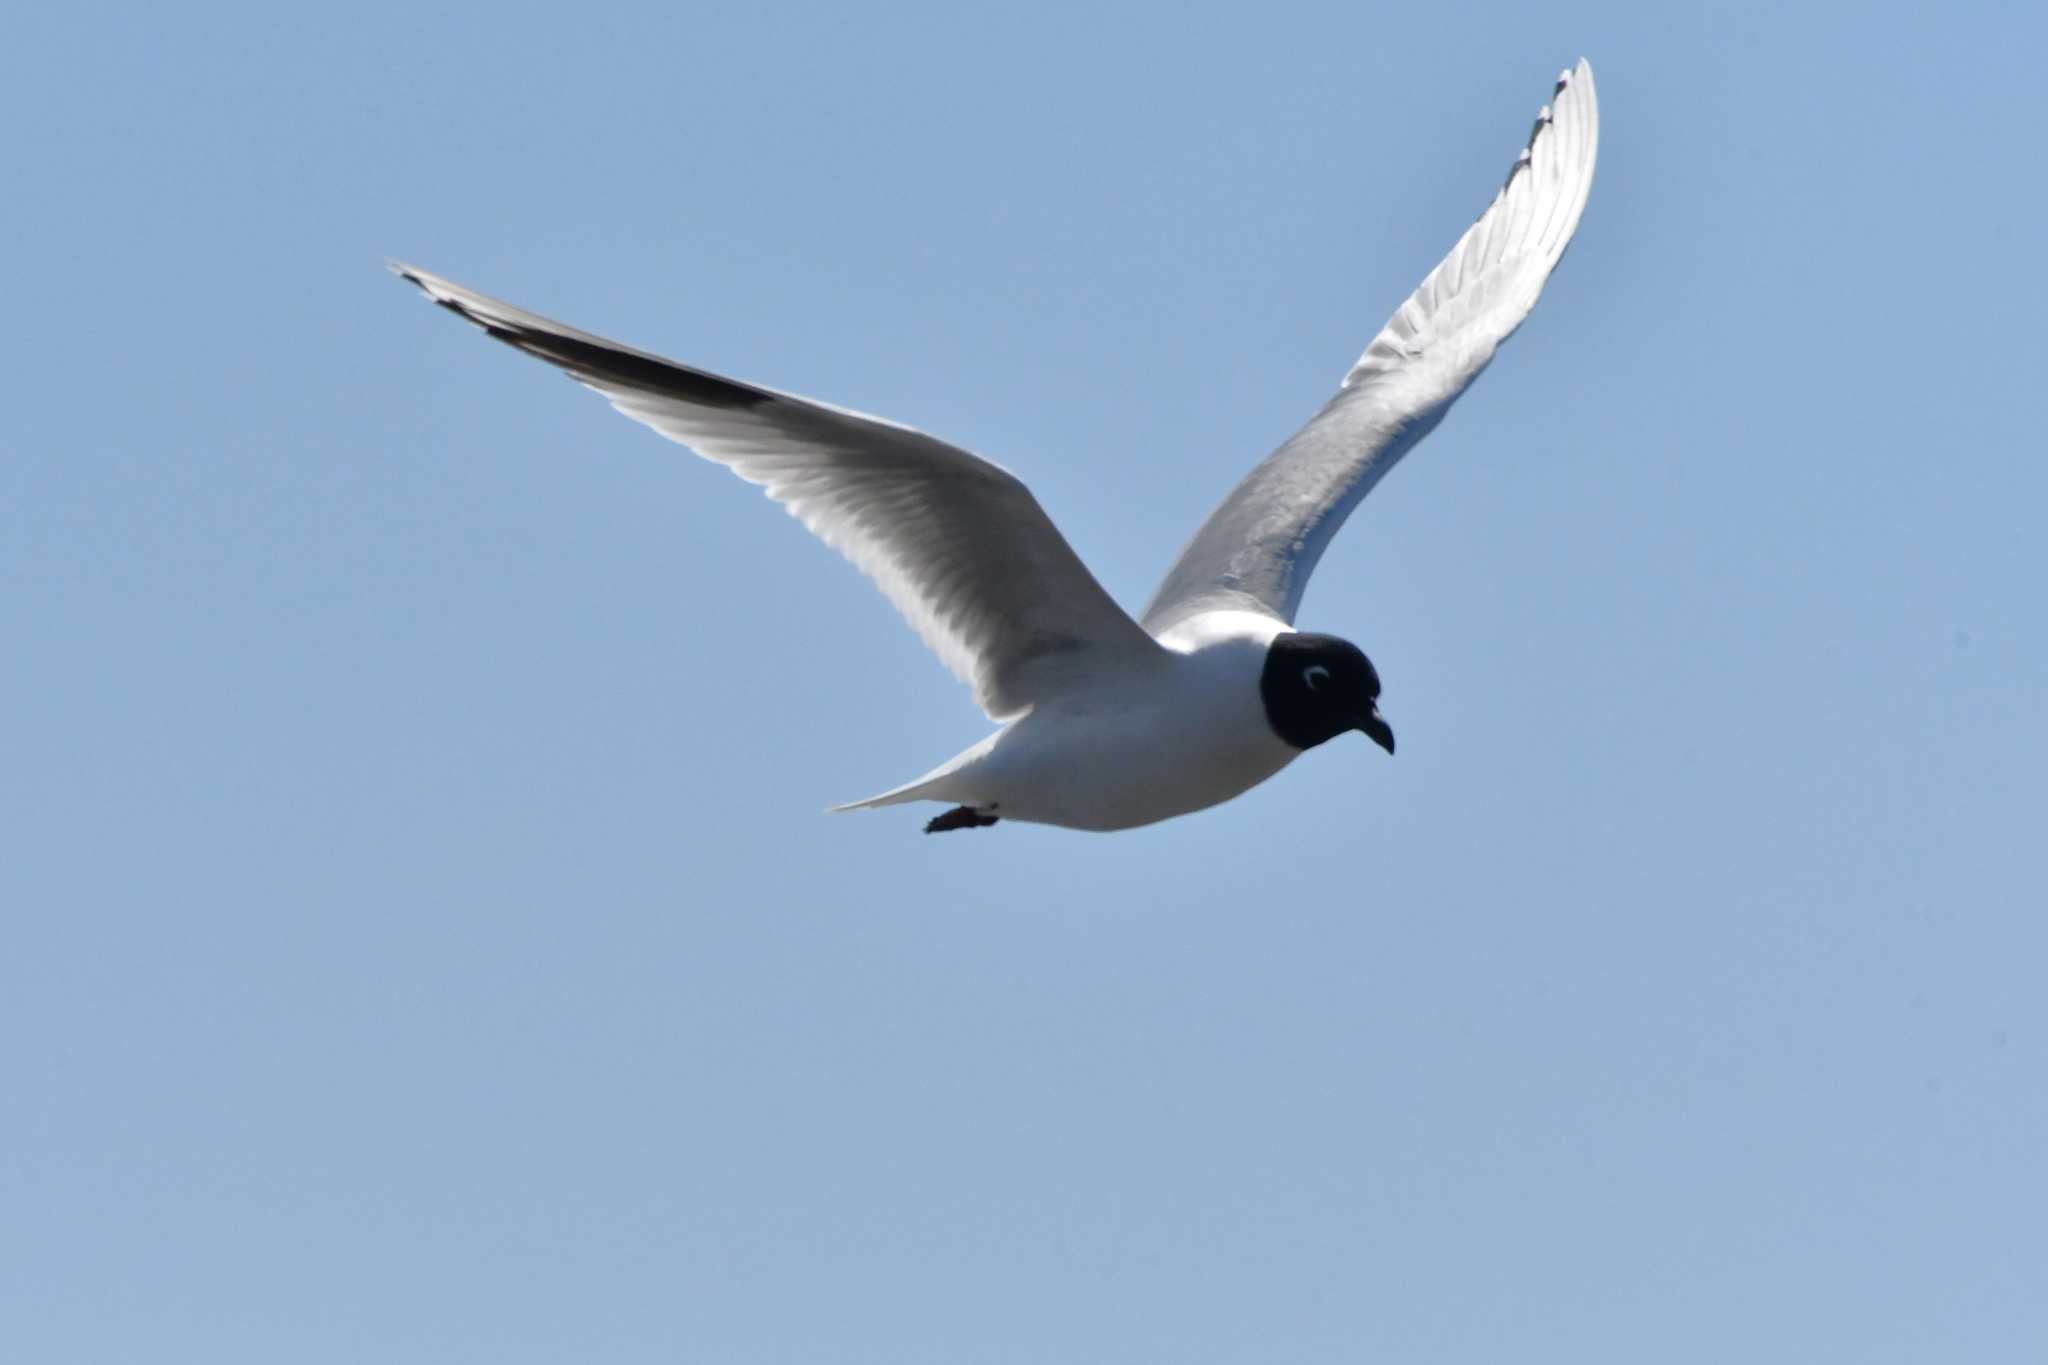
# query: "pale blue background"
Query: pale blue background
421,939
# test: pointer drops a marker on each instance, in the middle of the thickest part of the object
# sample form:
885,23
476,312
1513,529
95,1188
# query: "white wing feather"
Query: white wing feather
1257,549
957,544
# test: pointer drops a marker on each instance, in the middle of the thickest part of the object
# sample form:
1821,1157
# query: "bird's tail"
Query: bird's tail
920,790
940,784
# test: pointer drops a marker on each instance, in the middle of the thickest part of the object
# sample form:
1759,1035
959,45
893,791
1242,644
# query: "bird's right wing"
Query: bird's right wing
1257,549
958,545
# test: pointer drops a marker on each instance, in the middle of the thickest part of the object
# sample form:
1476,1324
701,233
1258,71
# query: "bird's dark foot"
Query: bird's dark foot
960,817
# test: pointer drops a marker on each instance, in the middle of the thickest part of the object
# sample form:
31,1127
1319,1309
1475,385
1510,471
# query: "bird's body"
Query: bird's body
1183,733
1106,721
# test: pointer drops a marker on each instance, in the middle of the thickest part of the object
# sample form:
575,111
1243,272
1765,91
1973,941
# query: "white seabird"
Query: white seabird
1108,722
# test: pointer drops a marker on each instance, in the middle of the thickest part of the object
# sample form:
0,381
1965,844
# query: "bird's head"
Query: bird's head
1316,687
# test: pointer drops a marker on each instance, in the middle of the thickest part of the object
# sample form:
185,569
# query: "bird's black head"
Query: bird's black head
1317,686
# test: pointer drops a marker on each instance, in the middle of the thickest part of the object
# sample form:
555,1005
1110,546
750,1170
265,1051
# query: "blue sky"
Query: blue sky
423,940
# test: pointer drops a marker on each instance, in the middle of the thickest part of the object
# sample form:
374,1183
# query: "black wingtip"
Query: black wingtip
592,359
1544,118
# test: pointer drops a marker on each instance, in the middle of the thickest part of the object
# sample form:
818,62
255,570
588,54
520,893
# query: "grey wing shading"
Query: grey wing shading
1257,549
957,544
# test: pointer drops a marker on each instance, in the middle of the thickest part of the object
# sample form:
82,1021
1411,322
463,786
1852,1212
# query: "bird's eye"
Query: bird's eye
1314,676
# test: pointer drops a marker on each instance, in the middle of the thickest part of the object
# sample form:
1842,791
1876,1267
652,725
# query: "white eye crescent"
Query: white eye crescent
1314,676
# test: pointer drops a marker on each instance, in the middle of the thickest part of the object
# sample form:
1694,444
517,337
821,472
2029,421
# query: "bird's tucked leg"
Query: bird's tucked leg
960,817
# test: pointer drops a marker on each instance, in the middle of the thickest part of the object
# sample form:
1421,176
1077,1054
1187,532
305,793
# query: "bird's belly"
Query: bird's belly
1119,768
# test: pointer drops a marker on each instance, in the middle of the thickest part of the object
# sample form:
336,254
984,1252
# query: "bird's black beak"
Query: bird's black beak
1377,729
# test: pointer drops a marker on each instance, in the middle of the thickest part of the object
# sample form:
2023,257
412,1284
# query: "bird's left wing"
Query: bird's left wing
1256,550
957,544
